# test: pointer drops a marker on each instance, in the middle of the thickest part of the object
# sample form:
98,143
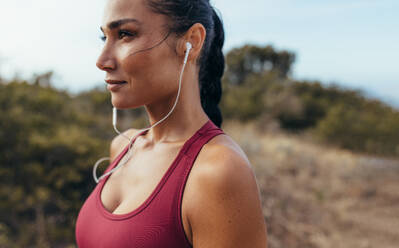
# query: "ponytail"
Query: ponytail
211,72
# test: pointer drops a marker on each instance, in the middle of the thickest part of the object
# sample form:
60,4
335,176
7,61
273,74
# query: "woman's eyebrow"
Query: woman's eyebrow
117,23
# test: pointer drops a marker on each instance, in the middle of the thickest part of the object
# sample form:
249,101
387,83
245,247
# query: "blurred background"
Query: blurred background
310,92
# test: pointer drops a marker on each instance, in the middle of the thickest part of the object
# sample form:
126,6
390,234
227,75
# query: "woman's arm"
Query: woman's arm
228,210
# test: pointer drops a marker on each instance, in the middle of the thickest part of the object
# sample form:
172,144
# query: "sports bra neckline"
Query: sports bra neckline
159,185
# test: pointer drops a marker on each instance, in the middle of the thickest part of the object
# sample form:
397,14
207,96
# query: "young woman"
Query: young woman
187,183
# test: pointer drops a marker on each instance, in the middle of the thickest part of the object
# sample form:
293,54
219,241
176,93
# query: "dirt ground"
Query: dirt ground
319,196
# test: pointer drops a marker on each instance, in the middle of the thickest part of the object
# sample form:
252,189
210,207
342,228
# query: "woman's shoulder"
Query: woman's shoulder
223,148
222,158
223,197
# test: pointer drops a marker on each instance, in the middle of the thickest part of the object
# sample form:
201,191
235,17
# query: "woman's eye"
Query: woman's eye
123,33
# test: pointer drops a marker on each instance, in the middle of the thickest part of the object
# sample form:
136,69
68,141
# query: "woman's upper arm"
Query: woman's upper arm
228,210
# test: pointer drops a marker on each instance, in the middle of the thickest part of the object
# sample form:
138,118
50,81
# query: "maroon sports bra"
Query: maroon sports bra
157,222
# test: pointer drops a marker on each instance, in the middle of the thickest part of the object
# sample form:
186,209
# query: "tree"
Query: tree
251,72
244,61
48,147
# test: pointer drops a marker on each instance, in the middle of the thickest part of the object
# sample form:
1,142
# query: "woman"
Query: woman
142,204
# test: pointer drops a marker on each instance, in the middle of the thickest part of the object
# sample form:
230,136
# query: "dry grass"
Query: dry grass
318,196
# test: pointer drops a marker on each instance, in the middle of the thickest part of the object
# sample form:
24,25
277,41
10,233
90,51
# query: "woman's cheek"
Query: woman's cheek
132,61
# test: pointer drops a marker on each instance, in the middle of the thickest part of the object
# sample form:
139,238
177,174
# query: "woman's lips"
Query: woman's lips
115,87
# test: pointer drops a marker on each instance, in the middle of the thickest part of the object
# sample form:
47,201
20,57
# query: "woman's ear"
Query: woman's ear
196,36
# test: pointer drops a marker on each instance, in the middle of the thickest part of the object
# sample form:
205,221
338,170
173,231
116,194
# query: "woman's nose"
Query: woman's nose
105,62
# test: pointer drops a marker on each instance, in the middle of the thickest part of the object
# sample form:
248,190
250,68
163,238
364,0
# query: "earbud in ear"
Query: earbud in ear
189,46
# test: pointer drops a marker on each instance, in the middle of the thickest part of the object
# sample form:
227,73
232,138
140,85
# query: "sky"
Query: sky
352,43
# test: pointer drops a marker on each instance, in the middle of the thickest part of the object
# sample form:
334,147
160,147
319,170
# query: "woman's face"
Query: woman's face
130,30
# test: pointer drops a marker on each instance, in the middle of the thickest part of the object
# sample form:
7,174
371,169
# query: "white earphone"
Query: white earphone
114,121
188,46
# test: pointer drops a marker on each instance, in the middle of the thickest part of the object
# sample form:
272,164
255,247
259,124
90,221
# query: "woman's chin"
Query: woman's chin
119,103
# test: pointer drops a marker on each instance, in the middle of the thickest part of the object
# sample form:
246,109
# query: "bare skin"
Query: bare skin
221,203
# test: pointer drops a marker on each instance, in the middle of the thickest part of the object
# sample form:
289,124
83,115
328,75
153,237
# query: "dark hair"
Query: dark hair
183,14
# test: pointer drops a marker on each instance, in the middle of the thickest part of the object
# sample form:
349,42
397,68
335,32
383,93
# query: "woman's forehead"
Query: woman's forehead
138,10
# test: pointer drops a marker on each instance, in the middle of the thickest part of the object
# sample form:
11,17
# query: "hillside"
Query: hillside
317,196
